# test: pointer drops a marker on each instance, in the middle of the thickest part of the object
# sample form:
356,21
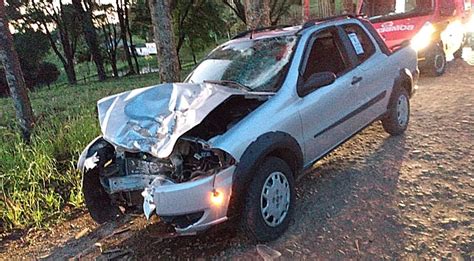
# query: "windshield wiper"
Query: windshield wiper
230,84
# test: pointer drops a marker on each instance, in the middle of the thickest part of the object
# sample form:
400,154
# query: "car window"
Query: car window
325,55
360,41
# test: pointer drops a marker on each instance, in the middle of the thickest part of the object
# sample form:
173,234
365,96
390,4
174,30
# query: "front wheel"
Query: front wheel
270,201
98,202
396,120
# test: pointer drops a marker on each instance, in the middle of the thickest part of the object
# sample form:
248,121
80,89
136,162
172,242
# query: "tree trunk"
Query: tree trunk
348,6
113,63
70,70
15,80
123,36
164,39
68,47
325,9
110,37
90,35
181,32
132,46
194,56
257,13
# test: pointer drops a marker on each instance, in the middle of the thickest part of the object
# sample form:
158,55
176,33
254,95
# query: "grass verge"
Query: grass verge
38,182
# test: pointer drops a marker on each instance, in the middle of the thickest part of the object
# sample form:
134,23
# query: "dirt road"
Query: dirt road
376,197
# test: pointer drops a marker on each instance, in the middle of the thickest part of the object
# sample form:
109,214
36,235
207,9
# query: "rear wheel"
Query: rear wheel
270,201
396,120
435,62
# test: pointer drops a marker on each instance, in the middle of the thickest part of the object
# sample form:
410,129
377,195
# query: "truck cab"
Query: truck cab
437,29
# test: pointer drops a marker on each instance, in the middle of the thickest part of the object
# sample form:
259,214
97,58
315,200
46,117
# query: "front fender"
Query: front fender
85,153
278,144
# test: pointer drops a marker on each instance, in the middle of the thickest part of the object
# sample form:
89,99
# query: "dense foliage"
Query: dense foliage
32,47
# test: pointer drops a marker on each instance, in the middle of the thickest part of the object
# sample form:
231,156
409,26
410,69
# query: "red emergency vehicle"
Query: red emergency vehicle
437,29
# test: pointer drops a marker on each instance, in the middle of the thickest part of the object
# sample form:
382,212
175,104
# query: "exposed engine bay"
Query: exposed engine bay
124,174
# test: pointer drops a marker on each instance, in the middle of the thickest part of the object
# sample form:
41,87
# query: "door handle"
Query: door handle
356,80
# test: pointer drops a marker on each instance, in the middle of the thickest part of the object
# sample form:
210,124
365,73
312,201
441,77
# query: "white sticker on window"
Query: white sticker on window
356,43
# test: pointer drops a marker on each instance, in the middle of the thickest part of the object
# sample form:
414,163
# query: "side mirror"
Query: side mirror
316,81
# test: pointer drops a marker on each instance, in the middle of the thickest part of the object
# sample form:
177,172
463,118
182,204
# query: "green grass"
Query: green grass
38,182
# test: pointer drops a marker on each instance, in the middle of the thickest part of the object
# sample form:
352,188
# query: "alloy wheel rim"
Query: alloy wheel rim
402,110
275,199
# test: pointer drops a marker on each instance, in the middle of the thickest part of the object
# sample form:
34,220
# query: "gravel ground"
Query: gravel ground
376,197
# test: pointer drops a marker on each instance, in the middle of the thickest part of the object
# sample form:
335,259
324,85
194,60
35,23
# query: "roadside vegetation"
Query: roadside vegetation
38,181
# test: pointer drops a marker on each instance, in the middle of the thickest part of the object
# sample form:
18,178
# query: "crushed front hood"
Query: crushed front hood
152,119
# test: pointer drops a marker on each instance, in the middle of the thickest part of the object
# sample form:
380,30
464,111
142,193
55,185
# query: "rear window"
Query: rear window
360,41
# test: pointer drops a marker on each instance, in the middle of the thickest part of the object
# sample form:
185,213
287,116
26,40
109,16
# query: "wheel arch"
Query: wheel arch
87,152
405,80
276,144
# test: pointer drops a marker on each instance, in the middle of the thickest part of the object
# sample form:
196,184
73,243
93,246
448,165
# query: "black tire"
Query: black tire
435,62
391,122
97,200
253,223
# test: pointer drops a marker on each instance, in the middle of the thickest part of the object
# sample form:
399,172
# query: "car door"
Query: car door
326,112
376,76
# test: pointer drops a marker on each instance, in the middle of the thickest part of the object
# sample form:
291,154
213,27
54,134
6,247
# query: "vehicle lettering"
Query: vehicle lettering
390,27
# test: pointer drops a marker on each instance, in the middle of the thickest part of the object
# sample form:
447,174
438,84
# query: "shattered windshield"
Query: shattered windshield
381,8
259,65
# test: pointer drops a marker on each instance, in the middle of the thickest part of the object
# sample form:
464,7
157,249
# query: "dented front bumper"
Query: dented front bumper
209,197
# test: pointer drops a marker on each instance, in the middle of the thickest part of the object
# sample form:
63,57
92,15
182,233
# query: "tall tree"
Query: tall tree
130,36
63,18
120,5
140,20
110,34
257,13
84,12
277,9
182,12
197,24
164,39
30,58
238,8
348,6
14,75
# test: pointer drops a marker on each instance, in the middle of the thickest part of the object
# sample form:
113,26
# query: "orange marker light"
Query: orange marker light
217,198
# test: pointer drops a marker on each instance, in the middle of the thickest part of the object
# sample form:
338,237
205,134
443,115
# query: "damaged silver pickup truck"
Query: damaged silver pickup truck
231,140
